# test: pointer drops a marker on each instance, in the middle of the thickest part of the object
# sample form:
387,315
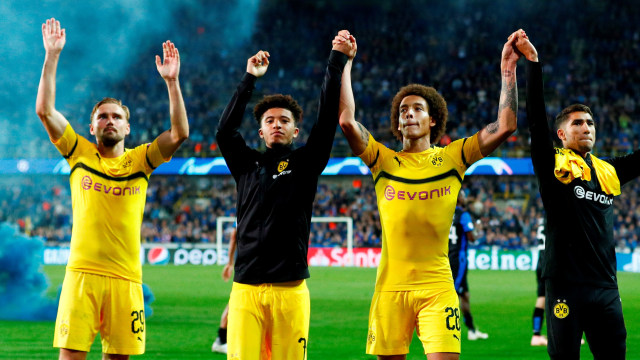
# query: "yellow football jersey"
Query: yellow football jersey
417,194
108,197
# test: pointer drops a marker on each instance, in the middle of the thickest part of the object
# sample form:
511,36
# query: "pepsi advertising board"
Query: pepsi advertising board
162,255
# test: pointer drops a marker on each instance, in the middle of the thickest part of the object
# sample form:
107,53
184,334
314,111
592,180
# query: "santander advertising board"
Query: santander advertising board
362,257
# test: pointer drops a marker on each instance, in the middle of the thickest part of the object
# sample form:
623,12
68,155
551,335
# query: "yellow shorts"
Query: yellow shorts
393,316
92,303
268,321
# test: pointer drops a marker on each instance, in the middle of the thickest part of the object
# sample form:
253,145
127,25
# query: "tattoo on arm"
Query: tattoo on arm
364,134
492,128
509,93
508,98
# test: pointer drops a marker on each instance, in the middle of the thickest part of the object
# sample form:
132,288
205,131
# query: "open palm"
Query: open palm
169,68
53,36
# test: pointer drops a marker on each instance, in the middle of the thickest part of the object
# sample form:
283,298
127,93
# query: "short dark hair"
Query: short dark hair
564,114
436,105
109,100
277,101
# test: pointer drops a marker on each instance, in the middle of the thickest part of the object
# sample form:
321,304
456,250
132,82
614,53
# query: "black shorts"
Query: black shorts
572,309
539,279
459,277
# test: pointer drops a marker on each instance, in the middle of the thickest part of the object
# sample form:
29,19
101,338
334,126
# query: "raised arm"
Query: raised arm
232,146
542,151
323,132
169,69
54,39
497,132
356,134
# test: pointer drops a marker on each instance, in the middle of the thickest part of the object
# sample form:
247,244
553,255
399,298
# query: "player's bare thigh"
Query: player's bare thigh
66,354
434,356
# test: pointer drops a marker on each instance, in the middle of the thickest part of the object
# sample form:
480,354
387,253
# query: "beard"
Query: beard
584,148
110,140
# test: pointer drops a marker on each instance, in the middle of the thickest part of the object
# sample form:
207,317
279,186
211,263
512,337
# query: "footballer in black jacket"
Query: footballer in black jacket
269,304
577,191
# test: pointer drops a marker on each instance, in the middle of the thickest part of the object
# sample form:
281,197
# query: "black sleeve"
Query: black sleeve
542,151
324,130
232,146
627,166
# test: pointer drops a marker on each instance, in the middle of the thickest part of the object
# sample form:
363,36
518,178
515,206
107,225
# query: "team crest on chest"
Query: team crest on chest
127,163
437,161
283,165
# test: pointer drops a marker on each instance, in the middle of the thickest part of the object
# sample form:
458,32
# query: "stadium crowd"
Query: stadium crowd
598,66
184,209
460,58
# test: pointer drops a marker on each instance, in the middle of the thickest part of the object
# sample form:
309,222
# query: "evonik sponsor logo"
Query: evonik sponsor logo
88,184
580,193
390,193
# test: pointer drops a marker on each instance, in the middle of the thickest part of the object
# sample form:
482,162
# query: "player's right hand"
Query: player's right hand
53,36
257,64
226,272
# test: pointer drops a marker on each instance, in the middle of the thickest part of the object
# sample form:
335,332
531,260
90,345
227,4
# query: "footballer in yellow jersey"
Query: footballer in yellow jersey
417,190
108,197
417,195
102,288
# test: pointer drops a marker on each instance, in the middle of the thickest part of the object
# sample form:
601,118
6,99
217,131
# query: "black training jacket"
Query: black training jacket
579,246
276,188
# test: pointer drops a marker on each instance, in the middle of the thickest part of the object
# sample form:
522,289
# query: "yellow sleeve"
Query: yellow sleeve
68,142
465,151
153,155
373,154
72,146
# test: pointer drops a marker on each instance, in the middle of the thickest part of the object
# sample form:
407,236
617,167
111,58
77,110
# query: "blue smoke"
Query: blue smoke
22,282
149,298
103,39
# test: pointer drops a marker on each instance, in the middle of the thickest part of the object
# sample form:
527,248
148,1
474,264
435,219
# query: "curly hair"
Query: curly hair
109,100
564,114
436,106
277,101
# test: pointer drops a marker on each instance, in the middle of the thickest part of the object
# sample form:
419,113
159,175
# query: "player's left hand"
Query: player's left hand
525,47
345,43
169,68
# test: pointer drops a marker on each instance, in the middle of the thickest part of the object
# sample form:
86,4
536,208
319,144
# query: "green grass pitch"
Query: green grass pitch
190,299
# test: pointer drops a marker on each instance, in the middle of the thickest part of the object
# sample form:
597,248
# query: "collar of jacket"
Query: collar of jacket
279,150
